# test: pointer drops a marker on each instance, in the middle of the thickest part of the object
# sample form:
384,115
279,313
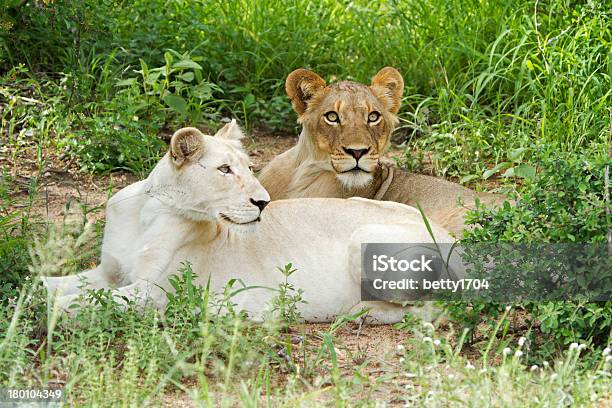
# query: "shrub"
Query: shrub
564,202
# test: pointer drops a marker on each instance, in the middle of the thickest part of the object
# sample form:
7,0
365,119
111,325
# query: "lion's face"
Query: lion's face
349,124
214,177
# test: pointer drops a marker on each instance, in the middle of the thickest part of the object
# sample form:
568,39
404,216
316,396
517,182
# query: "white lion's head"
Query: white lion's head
210,178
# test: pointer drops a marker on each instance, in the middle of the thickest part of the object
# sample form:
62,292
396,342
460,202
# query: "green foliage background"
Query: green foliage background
483,78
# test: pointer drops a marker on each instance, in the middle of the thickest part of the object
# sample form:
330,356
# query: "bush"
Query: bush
564,202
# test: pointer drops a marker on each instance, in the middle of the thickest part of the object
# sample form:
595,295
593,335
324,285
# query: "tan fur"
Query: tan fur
320,164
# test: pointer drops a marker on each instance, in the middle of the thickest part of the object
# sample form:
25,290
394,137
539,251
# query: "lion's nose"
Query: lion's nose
261,204
356,153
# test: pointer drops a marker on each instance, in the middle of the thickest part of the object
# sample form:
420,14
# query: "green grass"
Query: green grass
510,95
108,355
483,78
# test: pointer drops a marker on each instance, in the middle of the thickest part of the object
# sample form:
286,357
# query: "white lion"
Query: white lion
202,204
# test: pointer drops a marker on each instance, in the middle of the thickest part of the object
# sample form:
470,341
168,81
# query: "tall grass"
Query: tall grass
109,355
482,77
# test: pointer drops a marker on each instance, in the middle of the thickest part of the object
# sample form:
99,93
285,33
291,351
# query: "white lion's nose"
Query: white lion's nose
261,204
260,198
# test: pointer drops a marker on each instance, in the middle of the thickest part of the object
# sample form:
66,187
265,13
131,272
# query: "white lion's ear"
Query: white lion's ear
230,131
186,144
388,86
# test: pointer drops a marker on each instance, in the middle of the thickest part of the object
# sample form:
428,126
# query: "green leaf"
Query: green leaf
515,155
249,100
187,76
187,64
127,82
176,103
168,58
467,178
152,77
524,171
203,91
494,170
144,67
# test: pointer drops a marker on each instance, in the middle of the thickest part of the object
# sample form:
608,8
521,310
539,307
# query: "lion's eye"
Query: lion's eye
225,169
373,117
332,116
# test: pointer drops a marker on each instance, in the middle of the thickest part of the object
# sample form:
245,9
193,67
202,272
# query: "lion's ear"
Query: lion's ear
186,144
388,86
230,131
301,85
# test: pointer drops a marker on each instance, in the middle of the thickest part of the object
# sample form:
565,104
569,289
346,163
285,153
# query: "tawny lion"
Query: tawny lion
346,127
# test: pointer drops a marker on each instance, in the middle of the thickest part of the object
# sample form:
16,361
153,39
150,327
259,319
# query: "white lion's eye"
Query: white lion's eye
373,116
332,117
225,169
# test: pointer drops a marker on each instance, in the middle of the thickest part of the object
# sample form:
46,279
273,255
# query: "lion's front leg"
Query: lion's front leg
106,275
140,294
157,247
162,239
149,273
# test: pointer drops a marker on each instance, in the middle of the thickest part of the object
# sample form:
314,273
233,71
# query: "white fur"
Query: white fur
199,215
355,179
